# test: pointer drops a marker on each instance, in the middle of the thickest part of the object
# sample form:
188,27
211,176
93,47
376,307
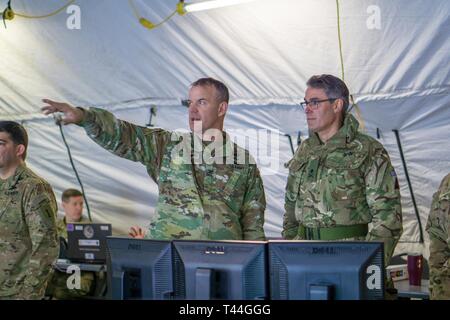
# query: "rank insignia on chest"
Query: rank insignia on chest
312,168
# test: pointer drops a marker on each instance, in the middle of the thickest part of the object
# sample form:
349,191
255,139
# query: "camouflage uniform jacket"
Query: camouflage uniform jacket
28,240
439,230
347,181
196,201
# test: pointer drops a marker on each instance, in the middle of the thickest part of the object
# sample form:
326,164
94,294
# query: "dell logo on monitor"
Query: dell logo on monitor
215,250
324,250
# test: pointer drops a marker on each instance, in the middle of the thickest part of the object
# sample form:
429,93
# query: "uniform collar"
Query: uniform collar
12,181
225,146
345,135
82,220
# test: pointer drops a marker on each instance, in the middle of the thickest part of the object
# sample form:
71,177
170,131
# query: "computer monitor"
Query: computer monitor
139,269
319,270
86,242
209,270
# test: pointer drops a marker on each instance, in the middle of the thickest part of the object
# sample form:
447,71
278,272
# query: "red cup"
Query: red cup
415,267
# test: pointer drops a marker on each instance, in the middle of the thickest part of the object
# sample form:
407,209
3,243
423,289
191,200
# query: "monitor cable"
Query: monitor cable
58,123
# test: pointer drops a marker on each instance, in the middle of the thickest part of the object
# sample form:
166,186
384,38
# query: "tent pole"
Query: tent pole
290,142
299,141
397,136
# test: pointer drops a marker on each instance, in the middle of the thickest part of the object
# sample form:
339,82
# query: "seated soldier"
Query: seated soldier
72,203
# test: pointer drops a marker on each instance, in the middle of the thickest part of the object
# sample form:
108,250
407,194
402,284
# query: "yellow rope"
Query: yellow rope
355,105
46,15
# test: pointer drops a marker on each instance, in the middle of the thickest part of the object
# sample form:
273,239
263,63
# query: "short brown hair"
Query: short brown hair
69,193
221,88
17,133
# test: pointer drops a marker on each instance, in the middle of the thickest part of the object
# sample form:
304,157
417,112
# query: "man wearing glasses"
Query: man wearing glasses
340,180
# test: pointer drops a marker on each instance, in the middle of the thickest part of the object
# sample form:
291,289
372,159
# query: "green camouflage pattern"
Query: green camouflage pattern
347,181
57,288
223,200
439,230
28,240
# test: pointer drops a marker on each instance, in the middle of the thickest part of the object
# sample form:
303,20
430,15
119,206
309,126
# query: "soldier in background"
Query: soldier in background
439,230
340,180
28,240
223,200
72,203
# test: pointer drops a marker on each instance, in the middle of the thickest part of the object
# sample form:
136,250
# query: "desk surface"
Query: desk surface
405,290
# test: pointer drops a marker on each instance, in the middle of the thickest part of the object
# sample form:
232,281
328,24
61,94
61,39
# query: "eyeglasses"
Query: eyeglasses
314,104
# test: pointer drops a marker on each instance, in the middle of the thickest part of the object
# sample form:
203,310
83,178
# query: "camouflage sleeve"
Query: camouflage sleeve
127,140
252,215
40,213
438,229
383,198
290,223
61,228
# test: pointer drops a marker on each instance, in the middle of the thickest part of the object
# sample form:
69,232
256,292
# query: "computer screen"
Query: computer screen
86,242
209,270
319,270
139,269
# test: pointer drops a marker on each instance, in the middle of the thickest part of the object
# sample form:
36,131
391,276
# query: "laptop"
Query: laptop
86,242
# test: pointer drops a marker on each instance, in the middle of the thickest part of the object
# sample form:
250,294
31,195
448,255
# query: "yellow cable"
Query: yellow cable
46,15
354,105
166,19
150,25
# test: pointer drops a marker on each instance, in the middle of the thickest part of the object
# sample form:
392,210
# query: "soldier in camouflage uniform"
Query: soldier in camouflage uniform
439,230
223,200
340,180
28,241
72,202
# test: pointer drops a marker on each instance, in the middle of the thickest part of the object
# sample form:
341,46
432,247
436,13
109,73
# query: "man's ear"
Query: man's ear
20,150
338,106
63,205
223,108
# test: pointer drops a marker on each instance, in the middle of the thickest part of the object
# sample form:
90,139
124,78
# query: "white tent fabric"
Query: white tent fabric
264,51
